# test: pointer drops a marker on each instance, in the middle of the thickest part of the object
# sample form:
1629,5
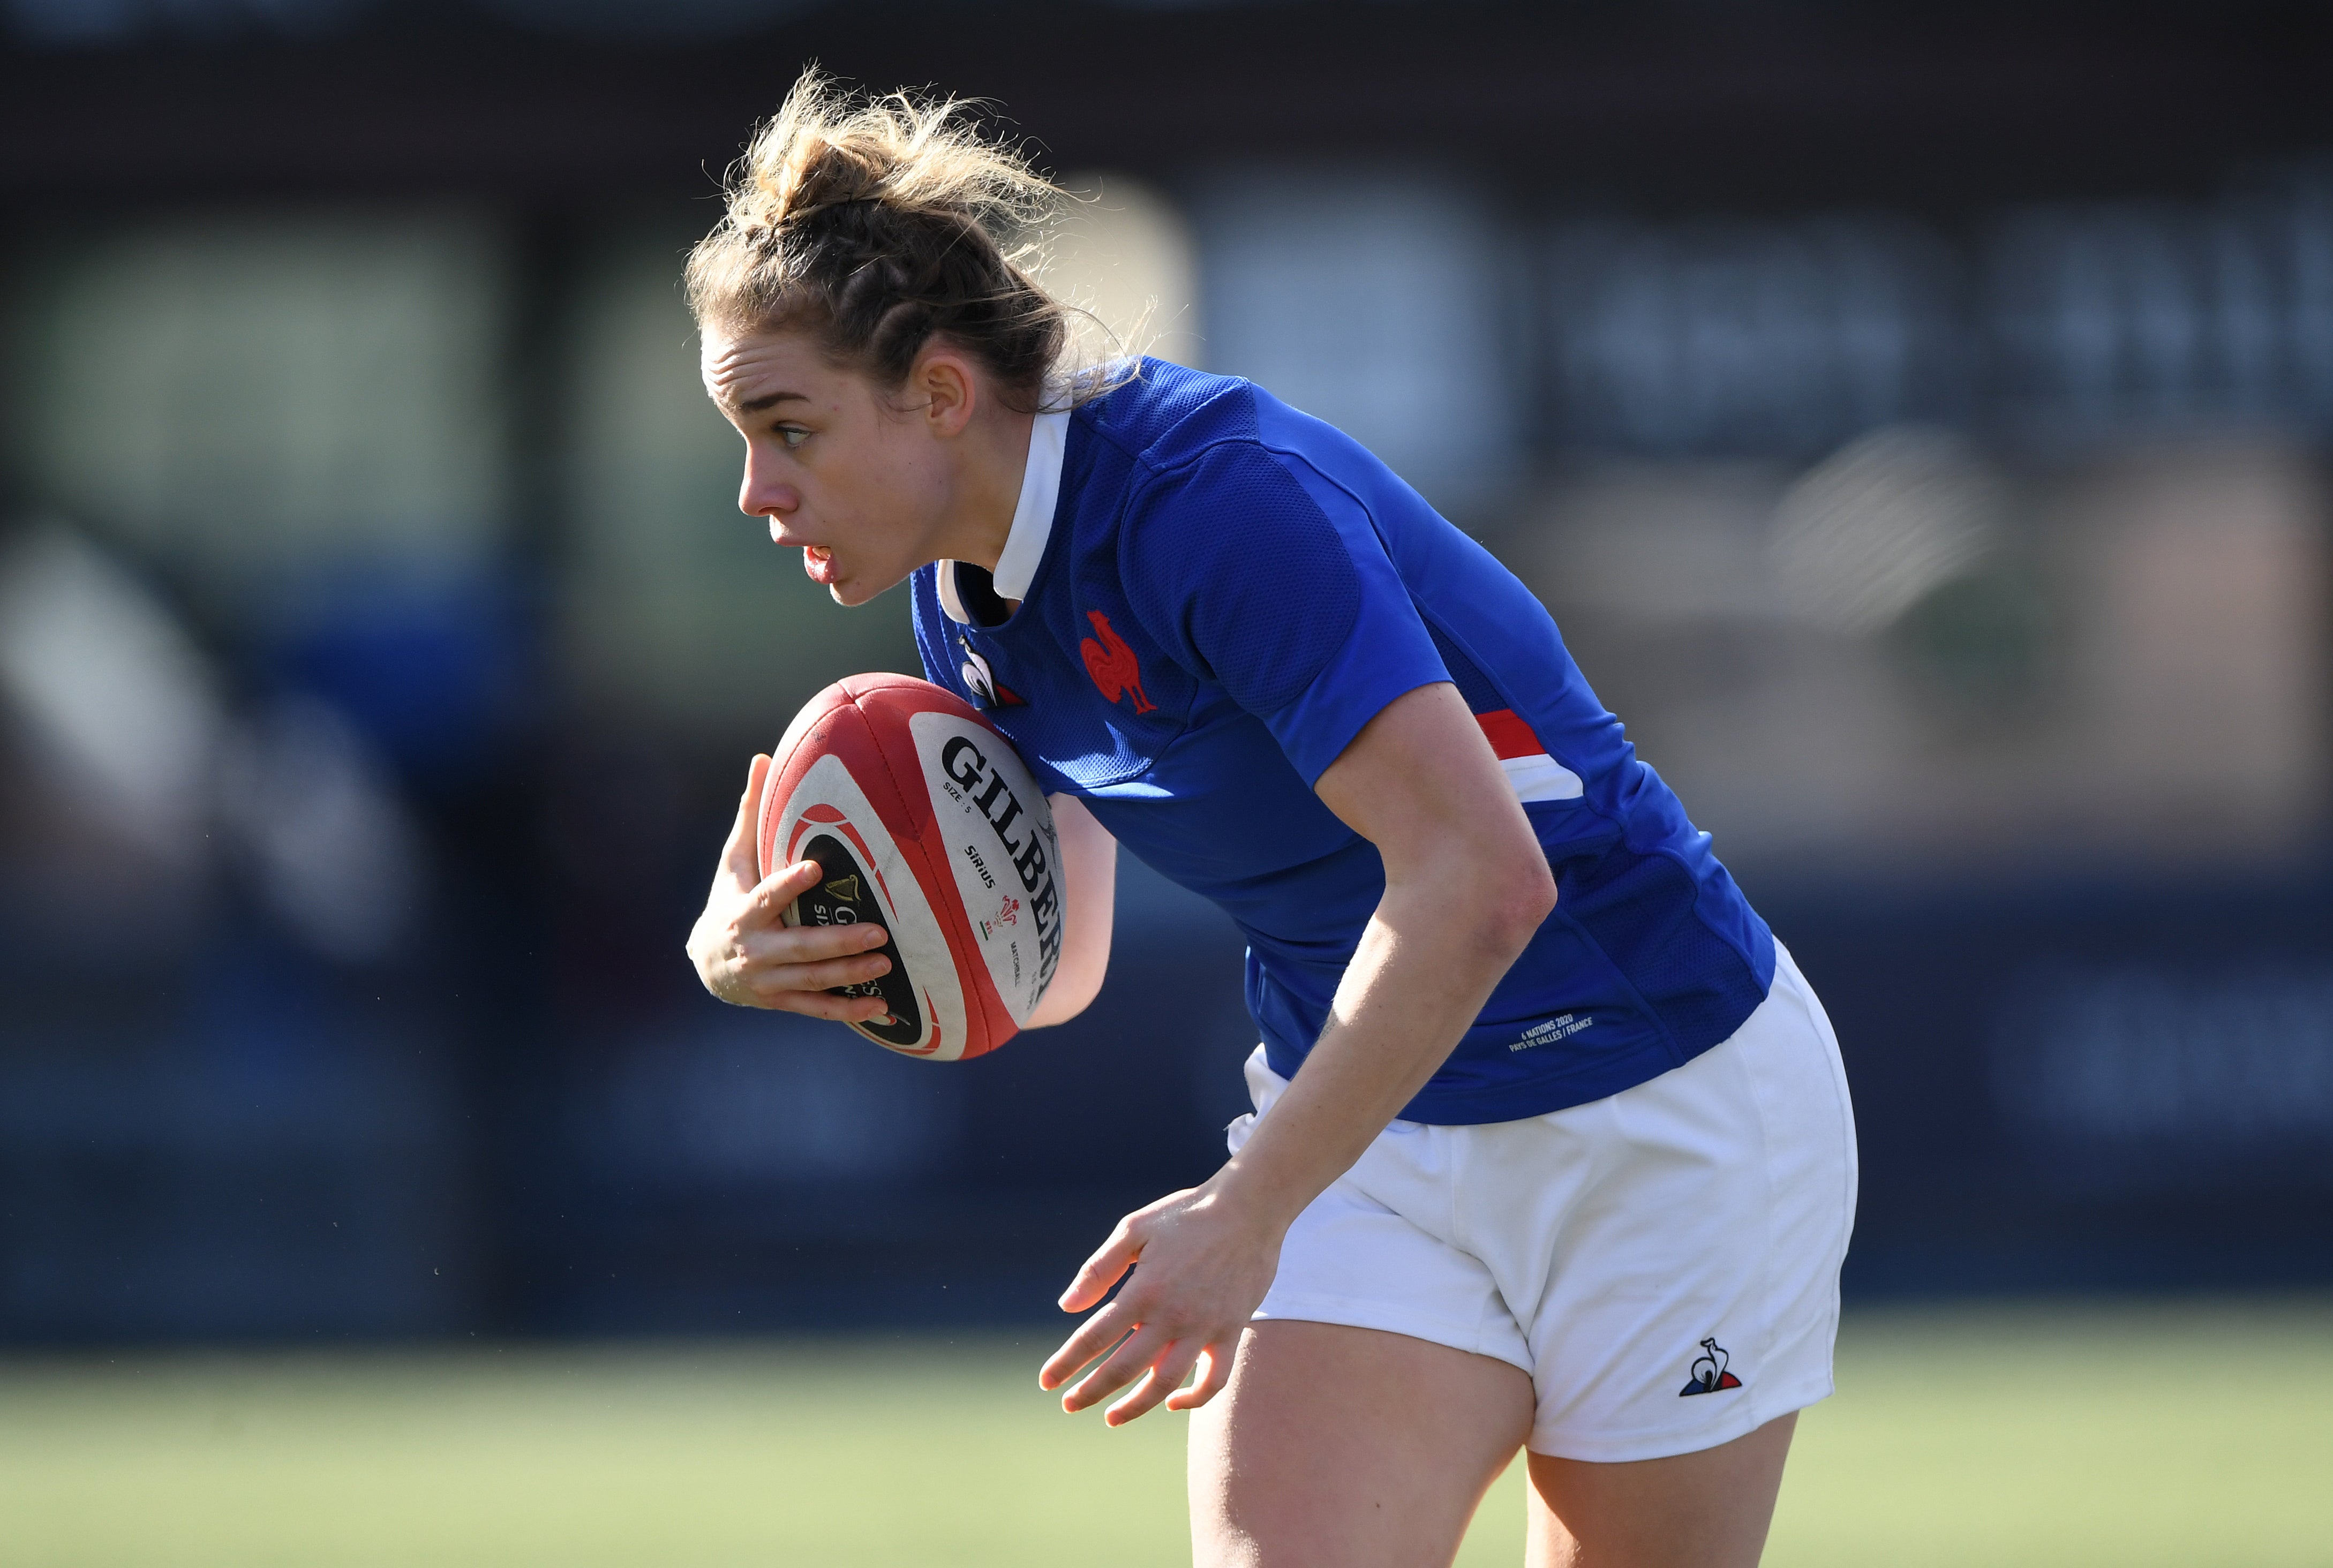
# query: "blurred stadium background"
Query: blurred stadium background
1917,417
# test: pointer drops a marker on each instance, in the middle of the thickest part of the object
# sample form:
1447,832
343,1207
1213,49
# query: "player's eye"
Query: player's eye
793,435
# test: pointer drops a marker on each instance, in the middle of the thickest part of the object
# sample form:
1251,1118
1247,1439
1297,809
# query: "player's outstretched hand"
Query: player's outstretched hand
1203,1265
745,954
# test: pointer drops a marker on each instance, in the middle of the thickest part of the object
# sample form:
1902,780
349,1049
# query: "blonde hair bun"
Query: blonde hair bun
874,223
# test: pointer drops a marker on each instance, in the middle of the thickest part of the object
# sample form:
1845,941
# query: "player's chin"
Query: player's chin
851,592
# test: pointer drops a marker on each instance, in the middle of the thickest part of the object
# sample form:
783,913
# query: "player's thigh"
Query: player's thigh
1348,1447
1702,1510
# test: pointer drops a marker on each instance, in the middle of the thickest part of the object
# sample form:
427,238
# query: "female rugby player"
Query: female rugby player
1552,1149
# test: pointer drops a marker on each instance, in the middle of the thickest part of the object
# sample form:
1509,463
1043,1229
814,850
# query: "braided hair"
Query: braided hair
877,224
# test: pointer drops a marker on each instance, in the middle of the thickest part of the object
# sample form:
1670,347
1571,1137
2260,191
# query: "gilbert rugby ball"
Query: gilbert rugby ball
926,821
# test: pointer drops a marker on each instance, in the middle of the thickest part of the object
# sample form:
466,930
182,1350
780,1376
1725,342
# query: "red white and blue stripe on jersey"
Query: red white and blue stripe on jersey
1535,775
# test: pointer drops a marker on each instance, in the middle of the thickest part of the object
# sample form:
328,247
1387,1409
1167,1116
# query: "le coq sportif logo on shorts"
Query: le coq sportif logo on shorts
1709,1374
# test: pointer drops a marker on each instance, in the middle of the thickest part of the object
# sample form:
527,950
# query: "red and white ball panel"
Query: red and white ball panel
925,820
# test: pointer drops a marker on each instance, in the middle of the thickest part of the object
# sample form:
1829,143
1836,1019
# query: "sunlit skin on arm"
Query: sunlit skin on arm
1467,886
1089,897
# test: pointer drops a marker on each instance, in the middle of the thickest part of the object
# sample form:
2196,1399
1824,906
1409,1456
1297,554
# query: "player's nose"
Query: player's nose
762,494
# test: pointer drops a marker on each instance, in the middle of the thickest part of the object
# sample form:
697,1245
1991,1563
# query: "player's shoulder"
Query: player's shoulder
1183,438
1176,422
1163,416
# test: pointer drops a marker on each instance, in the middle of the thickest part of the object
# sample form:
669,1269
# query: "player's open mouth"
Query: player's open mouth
817,560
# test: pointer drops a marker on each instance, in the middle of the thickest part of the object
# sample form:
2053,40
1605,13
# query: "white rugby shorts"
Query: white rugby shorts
1664,1263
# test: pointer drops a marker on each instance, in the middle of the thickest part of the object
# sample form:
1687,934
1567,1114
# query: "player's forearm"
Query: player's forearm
1088,906
1426,964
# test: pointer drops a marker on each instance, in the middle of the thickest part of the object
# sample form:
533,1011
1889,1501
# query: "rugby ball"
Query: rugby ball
922,819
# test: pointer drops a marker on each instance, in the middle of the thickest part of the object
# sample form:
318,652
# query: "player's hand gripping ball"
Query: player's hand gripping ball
923,820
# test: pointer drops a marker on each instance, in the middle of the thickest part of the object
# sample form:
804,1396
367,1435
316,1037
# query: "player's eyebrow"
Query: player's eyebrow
770,400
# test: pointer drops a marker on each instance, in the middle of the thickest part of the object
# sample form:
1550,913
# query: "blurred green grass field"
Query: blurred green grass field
2125,1435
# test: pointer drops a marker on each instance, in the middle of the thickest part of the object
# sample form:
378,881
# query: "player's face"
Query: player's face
858,484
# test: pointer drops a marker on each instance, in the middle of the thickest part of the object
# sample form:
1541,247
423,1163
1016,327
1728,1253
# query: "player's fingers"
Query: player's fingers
1092,1338
1165,1375
1102,1270
1124,1364
766,938
790,944
1214,1374
740,857
772,981
767,899
825,1005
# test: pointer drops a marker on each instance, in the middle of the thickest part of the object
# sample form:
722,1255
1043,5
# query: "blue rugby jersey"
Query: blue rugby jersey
1217,592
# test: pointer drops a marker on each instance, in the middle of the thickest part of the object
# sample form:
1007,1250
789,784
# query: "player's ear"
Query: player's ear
948,391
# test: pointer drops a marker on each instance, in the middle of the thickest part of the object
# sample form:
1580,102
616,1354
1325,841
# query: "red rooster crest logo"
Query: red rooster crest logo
1113,665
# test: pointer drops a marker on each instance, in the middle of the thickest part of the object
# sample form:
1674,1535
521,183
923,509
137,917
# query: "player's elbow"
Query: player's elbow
1517,896
1487,892
1071,992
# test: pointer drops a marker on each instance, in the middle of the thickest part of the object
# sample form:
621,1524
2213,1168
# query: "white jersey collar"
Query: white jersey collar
1032,518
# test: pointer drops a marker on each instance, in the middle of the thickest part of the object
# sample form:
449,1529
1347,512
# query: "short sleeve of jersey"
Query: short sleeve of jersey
1253,571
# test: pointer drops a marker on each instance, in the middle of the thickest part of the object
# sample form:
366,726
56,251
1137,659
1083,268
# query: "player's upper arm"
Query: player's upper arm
1089,902
1421,783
